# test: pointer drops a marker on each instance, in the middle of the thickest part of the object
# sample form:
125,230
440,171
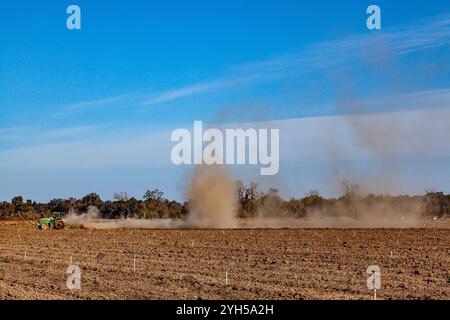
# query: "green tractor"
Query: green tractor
53,222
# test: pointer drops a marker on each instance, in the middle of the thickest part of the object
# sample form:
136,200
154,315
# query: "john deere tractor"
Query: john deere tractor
53,222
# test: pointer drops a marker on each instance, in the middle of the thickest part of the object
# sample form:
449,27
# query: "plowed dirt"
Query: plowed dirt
192,264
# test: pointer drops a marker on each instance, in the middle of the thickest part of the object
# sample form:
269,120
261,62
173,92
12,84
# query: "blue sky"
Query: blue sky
90,101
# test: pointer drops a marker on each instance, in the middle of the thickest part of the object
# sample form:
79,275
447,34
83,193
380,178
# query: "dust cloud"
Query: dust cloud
212,204
73,219
212,198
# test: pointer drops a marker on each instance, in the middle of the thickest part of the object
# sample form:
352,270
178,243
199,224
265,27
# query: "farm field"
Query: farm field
302,263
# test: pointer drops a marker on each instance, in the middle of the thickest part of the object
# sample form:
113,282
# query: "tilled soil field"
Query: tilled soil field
223,264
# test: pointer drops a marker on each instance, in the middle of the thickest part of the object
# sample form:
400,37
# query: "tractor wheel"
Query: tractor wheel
43,226
59,225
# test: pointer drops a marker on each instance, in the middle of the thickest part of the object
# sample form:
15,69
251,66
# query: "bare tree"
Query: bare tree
121,196
351,195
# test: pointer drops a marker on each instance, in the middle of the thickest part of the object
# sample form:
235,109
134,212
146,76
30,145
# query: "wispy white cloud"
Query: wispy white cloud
90,152
38,134
410,133
436,92
186,91
82,105
434,32
92,103
68,132
320,56
405,132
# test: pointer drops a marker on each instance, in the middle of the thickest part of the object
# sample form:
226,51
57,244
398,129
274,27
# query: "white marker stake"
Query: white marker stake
374,281
134,263
242,246
226,277
25,255
391,253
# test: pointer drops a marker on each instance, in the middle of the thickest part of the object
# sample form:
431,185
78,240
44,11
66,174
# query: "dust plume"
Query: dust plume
212,198
92,220
73,219
212,204
364,213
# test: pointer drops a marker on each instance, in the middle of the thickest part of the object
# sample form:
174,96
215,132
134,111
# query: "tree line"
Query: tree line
251,201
